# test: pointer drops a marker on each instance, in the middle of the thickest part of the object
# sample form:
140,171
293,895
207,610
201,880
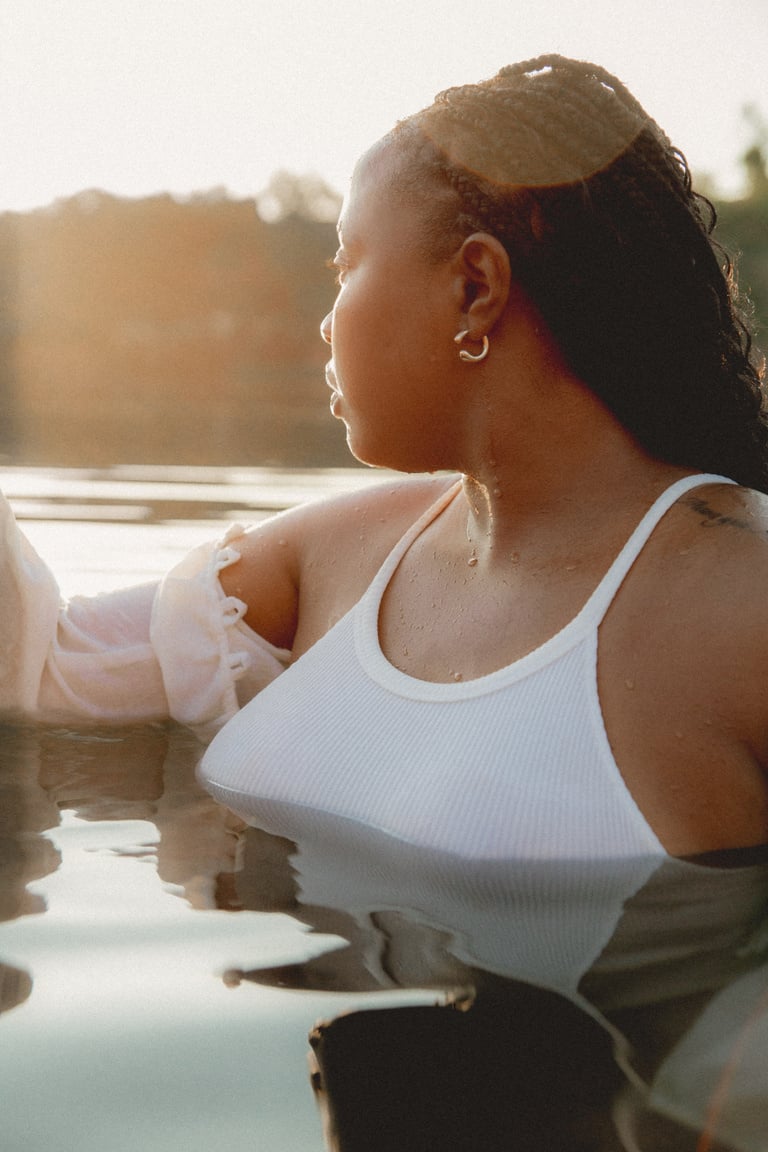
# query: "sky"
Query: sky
185,96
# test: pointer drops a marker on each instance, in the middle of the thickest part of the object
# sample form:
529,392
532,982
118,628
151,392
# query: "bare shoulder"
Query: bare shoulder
344,543
302,565
683,672
721,532
712,550
700,607
696,603
370,518
741,512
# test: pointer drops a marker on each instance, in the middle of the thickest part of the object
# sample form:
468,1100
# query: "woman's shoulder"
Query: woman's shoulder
725,528
701,603
308,564
379,511
711,552
726,505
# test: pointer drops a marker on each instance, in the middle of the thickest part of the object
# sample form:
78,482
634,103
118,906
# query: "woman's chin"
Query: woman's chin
364,454
372,457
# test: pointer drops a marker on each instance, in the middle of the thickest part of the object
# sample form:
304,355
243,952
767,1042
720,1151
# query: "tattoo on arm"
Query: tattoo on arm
713,519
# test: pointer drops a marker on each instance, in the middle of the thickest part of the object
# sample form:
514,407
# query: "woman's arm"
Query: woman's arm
208,637
176,649
299,572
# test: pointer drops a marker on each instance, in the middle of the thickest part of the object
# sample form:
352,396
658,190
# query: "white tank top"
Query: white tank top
512,765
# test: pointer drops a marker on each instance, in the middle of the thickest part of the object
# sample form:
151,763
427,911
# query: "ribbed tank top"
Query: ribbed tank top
512,765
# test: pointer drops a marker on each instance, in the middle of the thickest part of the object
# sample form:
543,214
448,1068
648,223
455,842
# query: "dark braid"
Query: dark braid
605,234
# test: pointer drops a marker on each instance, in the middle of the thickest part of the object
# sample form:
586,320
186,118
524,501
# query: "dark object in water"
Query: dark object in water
512,1072
15,987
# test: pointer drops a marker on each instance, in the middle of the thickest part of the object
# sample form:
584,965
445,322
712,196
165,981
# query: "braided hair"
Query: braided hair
557,160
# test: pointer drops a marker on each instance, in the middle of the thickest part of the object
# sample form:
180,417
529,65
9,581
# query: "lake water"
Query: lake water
161,967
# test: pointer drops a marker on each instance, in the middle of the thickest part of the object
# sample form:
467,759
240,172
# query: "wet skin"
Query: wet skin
552,487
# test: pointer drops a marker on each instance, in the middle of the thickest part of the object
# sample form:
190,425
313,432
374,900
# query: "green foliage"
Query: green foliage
743,231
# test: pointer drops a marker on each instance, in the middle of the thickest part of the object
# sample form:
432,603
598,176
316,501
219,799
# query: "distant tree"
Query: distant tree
743,226
754,159
308,196
757,175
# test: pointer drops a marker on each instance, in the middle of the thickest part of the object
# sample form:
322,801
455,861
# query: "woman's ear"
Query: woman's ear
486,278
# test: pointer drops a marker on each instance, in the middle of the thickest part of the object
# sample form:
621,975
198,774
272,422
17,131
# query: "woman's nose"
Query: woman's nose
325,328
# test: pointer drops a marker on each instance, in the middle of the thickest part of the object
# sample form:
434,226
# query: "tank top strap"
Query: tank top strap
601,599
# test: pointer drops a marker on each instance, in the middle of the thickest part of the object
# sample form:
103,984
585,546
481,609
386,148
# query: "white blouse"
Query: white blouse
176,649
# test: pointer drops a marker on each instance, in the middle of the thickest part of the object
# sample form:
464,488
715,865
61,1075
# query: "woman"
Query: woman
528,296
534,685
513,695
563,651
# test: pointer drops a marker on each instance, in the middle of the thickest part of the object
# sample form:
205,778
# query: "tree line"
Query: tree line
186,332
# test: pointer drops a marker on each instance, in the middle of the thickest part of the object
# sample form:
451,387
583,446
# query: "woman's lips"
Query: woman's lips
330,380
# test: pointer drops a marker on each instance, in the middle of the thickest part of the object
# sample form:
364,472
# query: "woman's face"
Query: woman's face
391,329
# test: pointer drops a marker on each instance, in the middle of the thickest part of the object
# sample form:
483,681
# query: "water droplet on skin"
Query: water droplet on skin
472,561
457,676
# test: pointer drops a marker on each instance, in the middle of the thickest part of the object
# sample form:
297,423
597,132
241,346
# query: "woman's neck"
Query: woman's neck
579,474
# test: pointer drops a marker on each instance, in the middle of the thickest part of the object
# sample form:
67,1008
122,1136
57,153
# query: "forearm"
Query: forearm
176,649
100,663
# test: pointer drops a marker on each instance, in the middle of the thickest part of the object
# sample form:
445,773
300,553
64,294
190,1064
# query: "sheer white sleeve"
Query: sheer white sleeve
177,649
212,662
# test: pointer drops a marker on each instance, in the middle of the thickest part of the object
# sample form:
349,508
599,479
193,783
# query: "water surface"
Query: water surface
161,966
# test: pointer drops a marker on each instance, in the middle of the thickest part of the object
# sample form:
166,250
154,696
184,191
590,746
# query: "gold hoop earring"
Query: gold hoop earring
467,356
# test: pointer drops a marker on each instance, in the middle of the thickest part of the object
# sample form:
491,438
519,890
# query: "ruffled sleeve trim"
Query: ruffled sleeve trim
211,661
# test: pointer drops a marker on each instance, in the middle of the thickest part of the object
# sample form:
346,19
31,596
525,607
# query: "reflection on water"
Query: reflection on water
593,1024
161,969
120,1028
